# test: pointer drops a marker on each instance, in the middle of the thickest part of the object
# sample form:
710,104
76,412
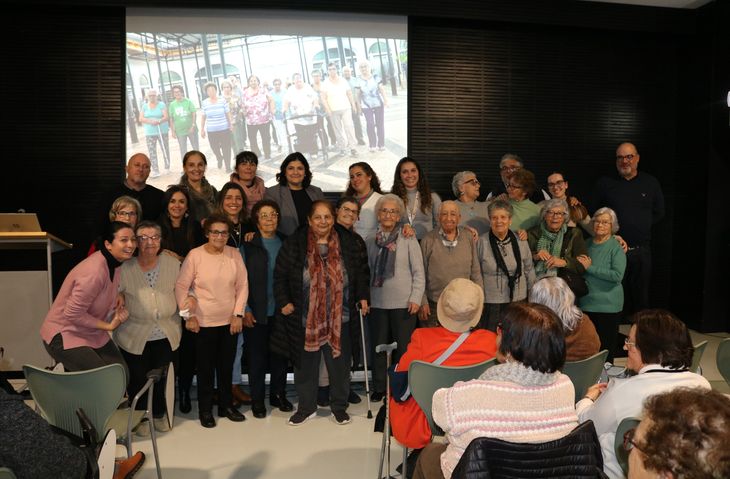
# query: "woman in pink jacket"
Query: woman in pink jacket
76,329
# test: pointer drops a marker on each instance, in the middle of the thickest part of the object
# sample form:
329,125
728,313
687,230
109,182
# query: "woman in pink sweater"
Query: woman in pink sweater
212,290
524,400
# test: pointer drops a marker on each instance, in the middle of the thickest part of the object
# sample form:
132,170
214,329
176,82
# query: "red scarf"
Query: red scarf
324,324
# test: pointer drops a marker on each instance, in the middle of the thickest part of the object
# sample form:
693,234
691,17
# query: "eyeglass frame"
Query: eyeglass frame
629,157
145,238
219,233
629,443
128,214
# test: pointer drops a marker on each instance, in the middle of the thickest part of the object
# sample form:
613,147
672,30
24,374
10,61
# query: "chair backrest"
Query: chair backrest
425,378
723,359
577,455
618,443
697,357
6,473
586,372
59,394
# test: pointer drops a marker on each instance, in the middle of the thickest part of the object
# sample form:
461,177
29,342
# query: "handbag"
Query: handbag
576,282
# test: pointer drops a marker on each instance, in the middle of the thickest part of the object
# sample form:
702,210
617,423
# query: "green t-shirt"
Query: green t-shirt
181,113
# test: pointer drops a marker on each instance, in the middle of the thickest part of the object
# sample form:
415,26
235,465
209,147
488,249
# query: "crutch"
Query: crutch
162,146
365,362
385,447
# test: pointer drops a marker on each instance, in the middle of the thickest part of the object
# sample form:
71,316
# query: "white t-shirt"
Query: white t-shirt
337,94
301,102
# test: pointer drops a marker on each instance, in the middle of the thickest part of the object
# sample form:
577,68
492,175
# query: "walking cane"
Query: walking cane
385,450
365,362
162,145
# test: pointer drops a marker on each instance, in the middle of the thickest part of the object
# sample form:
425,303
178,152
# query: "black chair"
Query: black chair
575,456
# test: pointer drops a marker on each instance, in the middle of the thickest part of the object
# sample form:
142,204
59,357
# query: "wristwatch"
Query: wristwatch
239,315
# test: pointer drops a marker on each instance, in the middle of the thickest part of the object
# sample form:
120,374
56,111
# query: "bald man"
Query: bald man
135,185
638,201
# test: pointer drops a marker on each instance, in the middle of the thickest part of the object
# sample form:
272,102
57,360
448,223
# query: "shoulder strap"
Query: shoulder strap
454,346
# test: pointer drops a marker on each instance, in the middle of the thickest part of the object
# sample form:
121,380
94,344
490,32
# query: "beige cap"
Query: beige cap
460,305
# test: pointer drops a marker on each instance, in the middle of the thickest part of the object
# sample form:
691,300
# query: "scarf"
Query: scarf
516,372
497,246
206,191
384,267
552,243
446,241
324,316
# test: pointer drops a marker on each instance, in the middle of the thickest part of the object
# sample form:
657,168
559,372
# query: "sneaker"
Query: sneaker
353,397
341,417
161,424
381,148
299,418
142,429
371,149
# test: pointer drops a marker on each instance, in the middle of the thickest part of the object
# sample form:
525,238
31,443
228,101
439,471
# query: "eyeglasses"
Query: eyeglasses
510,168
145,238
602,222
629,442
557,183
473,181
128,214
218,233
268,216
555,213
629,344
625,157
513,187
387,212
349,210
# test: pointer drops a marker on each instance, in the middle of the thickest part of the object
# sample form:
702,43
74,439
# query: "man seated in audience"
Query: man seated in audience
135,185
660,352
448,252
33,450
459,310
507,166
526,399
684,433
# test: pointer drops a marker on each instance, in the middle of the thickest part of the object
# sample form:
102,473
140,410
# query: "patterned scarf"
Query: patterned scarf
497,246
324,316
552,243
446,241
384,267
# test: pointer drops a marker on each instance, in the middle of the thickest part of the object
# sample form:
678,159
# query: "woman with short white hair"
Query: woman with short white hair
581,338
474,214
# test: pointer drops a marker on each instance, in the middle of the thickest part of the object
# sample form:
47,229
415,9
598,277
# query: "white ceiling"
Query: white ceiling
660,3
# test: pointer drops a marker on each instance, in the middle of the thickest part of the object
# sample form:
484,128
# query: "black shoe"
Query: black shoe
353,397
411,462
206,419
280,401
184,404
376,396
341,417
258,408
323,396
231,413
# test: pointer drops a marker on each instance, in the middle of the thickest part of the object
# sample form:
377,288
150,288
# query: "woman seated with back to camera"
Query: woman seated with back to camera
459,310
581,338
526,399
683,434
659,352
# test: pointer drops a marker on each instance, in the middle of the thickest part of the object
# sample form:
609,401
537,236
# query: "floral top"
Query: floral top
257,106
234,106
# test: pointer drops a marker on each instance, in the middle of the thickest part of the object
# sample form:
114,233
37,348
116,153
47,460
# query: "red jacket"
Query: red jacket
408,422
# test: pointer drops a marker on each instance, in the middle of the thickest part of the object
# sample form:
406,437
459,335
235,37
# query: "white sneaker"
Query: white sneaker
161,424
143,429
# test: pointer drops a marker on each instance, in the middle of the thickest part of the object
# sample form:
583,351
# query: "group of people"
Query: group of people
327,112
200,277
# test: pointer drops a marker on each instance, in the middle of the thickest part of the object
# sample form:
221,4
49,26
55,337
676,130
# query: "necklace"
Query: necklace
414,209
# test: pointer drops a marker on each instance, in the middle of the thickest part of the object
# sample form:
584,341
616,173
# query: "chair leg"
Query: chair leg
404,467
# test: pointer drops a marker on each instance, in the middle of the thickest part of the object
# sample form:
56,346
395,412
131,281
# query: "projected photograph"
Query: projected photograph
336,99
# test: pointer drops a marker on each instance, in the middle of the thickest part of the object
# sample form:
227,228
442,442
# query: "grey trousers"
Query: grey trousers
84,357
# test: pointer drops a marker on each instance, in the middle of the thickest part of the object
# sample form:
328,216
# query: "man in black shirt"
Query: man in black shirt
135,185
638,201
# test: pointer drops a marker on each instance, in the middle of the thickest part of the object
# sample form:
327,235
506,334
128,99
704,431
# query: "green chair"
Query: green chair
425,378
697,357
618,443
99,393
6,473
586,372
723,359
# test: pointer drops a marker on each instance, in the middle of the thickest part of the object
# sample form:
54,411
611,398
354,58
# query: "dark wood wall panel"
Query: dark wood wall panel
561,99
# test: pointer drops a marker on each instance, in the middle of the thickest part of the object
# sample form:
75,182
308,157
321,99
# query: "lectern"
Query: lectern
26,295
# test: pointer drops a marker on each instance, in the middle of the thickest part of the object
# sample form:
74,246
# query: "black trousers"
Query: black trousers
216,349
260,359
386,326
607,328
306,376
637,279
186,359
156,354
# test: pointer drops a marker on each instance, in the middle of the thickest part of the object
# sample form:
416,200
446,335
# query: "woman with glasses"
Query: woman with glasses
474,213
525,213
660,352
125,209
212,290
152,332
317,283
506,265
261,253
604,264
556,246
397,283
683,433
558,187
